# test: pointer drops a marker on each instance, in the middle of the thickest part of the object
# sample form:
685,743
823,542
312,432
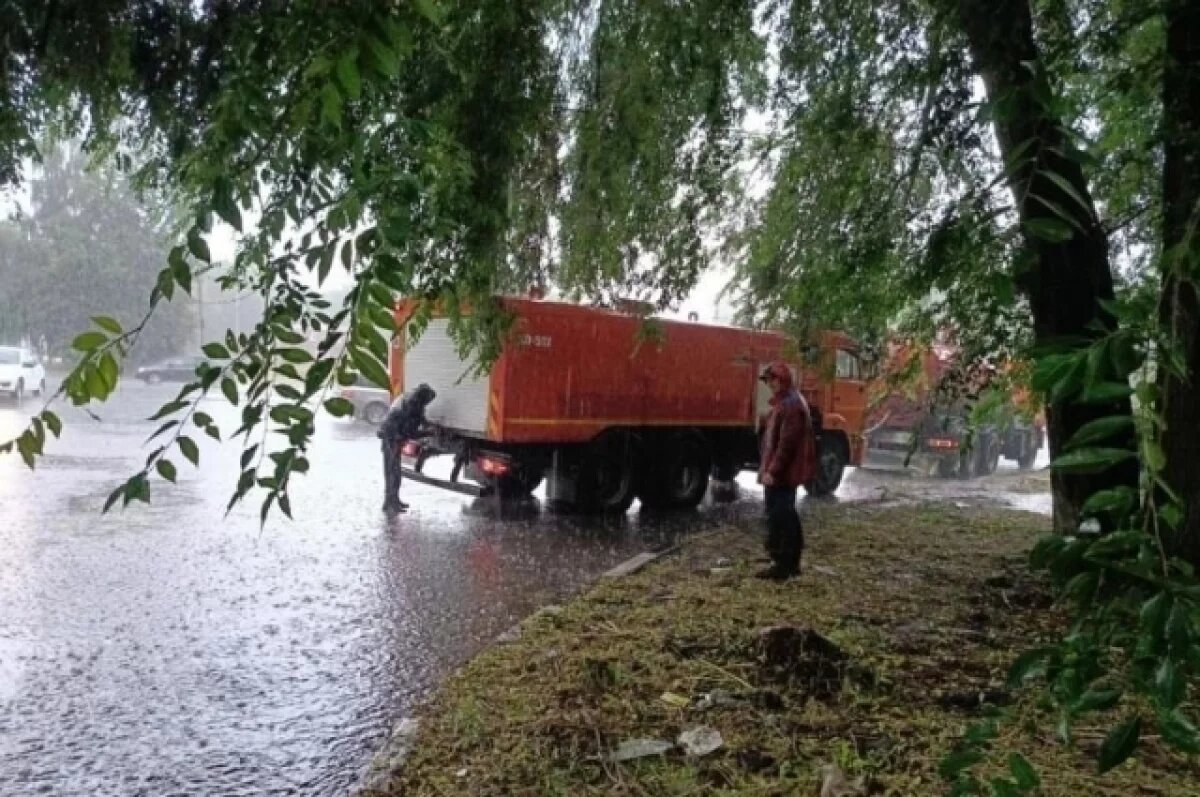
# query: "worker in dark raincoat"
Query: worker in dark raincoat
405,421
787,460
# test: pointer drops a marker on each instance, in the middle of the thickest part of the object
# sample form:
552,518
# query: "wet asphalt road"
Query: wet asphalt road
170,650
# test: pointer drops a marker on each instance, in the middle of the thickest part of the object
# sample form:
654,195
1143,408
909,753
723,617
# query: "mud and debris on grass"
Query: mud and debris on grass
871,666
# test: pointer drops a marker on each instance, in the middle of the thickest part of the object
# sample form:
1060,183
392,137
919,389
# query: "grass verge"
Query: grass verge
930,602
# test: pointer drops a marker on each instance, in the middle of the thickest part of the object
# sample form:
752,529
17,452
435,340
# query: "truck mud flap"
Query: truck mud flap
473,490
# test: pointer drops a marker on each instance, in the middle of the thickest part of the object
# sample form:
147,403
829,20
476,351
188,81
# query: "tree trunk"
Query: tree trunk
1180,303
1065,279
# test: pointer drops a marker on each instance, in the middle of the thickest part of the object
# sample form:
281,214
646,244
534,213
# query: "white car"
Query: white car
20,373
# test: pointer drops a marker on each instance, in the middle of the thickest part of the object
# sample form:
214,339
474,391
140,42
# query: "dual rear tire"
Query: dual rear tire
670,472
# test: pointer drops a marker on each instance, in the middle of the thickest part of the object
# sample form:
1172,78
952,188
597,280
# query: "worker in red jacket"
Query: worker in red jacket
787,460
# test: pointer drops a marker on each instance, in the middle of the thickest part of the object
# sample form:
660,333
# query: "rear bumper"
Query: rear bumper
473,490
413,468
882,459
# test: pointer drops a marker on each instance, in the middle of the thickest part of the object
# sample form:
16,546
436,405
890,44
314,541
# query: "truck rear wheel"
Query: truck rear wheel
679,479
1029,450
989,456
605,481
967,462
832,457
947,467
518,485
724,470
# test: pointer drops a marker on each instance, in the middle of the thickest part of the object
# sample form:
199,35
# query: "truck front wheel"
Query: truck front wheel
832,457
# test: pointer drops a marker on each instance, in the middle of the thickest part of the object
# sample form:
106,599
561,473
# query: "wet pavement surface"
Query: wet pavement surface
172,650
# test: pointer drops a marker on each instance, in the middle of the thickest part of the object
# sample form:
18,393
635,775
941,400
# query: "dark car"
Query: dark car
371,403
175,369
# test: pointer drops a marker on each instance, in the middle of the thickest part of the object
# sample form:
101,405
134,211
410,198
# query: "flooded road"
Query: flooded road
171,650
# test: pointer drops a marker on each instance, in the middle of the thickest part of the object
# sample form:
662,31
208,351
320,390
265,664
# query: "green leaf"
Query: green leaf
89,341
1053,230
317,375
113,497
1057,209
1170,684
1105,392
215,351
229,388
248,455
1120,743
382,57
96,386
430,10
166,427
165,287
1070,191
1179,732
1118,500
1100,429
25,449
286,335
295,355
958,761
52,423
1090,460
981,733
180,271
169,408
1030,664
1096,700
1179,627
1023,772
1172,515
1154,613
331,106
108,324
348,76
166,469
226,205
1046,550
339,407
325,265
1116,544
1071,379
371,368
189,449
1082,587
137,489
198,246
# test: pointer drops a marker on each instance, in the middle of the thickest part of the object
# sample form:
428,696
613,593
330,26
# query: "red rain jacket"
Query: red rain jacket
788,451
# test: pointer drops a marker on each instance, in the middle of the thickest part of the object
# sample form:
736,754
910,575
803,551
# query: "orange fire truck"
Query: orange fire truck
586,399
910,426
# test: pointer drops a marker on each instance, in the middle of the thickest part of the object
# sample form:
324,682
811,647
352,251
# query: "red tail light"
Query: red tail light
941,442
493,467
